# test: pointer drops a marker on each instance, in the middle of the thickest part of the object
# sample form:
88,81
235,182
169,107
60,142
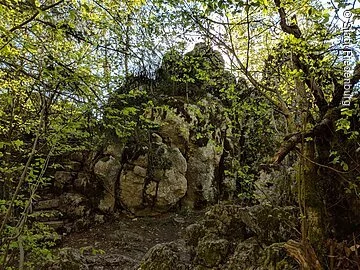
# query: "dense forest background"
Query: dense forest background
75,75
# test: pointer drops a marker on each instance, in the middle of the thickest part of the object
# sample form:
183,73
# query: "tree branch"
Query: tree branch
44,8
290,29
293,29
321,129
261,88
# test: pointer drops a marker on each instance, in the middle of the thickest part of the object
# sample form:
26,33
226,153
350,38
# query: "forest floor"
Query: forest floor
121,243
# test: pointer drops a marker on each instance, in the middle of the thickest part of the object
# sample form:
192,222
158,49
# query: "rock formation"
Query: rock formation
230,237
173,158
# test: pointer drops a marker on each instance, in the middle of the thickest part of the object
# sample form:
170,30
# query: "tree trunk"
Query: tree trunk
314,206
311,207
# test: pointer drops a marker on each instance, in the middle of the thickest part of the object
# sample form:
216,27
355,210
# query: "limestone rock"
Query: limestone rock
140,171
107,170
193,233
114,150
251,254
74,205
246,256
275,187
47,204
200,175
63,178
163,189
171,184
141,161
211,252
132,184
269,224
170,189
175,129
165,257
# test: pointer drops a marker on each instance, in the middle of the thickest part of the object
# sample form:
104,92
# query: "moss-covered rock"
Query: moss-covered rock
211,253
252,254
269,224
164,257
231,237
193,233
107,171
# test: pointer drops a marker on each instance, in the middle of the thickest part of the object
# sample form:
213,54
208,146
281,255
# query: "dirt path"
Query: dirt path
124,241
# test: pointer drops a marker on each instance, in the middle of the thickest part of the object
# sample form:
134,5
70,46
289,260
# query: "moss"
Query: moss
211,252
162,257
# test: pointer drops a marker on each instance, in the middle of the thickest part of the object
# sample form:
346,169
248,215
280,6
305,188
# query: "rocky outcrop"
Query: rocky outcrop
107,171
211,252
160,185
179,164
230,237
181,160
177,167
201,175
172,150
132,183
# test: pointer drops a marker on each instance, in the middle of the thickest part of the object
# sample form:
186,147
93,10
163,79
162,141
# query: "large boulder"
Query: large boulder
201,175
270,224
132,183
168,185
158,186
211,253
252,254
107,170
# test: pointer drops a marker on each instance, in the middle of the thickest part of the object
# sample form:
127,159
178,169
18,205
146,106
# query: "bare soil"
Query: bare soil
124,240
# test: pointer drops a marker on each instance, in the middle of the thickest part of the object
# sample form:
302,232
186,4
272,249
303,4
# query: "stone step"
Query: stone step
56,225
46,193
46,215
46,204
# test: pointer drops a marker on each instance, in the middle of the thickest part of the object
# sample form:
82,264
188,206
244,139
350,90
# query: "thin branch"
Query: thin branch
23,175
44,8
259,87
293,29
